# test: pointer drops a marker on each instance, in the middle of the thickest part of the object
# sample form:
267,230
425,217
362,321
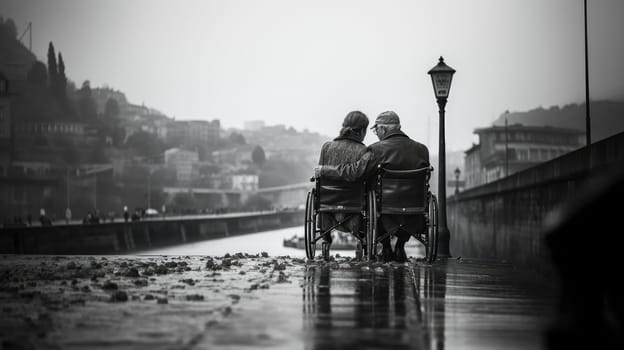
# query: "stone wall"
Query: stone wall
121,237
504,220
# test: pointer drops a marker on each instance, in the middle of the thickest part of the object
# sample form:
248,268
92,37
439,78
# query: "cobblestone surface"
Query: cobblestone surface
126,301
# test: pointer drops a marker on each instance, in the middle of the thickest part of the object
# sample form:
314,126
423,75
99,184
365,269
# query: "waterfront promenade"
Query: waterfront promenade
252,300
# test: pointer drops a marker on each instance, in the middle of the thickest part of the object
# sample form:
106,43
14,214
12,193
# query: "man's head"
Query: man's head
386,121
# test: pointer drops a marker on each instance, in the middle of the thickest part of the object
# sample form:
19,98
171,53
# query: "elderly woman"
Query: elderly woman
346,148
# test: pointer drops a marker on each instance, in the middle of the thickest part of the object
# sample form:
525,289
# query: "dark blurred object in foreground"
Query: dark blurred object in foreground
586,241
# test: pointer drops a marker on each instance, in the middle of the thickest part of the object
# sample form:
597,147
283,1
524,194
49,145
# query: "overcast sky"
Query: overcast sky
308,63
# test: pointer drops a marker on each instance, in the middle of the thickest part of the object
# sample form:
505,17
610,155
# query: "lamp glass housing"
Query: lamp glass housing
441,83
441,77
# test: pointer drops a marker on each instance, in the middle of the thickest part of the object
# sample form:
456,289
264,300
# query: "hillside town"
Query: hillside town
71,151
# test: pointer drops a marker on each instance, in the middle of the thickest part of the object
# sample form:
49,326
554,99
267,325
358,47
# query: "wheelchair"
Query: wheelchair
331,197
393,192
405,193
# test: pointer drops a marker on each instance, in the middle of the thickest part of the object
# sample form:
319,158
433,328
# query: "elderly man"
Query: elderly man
395,151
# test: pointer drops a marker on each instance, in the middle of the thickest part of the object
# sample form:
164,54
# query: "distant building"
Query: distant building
472,166
503,151
102,95
253,125
15,63
286,143
183,162
454,160
234,159
55,132
133,111
194,132
51,128
155,124
245,182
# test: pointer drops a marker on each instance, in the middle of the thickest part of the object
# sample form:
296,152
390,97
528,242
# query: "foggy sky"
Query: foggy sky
308,63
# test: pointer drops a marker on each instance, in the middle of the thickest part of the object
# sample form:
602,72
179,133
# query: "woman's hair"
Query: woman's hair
354,125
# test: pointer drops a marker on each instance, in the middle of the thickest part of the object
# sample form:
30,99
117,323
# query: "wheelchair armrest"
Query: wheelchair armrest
405,173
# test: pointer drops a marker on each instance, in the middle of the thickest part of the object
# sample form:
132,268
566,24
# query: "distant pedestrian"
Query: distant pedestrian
68,215
29,219
95,219
44,220
126,215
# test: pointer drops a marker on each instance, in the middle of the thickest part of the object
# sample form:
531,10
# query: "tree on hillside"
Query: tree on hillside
237,139
145,144
61,88
8,28
36,102
258,156
111,109
38,74
52,67
86,105
109,125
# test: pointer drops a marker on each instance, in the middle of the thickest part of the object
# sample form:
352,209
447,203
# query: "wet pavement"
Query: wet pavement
245,301
458,304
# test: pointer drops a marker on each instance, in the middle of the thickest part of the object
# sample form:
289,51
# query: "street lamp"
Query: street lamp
457,173
151,169
68,212
441,76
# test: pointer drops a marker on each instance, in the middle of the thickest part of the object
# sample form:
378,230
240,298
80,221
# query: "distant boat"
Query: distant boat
340,242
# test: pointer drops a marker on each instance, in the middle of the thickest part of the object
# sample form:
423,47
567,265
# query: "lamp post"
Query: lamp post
457,173
67,209
95,193
441,76
149,189
151,169
506,148
587,113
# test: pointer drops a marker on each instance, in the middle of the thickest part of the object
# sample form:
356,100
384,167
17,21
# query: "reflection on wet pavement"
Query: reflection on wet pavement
346,304
452,305
360,307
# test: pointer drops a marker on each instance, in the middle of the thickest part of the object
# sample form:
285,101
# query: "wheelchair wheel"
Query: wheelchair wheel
309,226
371,229
432,230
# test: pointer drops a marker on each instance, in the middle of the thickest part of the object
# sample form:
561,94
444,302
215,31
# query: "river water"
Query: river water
269,241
